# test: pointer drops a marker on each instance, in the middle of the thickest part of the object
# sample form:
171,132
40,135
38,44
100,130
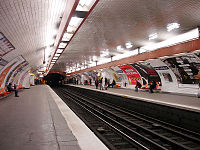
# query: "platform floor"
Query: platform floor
179,101
40,120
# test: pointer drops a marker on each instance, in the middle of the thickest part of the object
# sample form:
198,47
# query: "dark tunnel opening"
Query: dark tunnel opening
54,79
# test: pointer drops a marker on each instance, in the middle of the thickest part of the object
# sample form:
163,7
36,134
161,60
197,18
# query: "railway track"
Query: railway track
123,129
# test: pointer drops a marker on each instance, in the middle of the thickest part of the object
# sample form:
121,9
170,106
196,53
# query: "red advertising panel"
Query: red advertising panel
131,73
4,73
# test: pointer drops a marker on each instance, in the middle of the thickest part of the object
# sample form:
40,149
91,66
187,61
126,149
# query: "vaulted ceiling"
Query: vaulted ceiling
33,25
115,22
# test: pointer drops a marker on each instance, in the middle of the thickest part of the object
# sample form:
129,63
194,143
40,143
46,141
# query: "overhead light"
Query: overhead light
53,60
104,53
75,21
67,36
119,48
153,36
85,2
129,45
172,26
188,36
57,55
62,45
82,2
94,58
59,50
71,29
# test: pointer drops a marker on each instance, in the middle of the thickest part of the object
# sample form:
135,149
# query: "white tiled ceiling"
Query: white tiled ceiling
31,25
115,22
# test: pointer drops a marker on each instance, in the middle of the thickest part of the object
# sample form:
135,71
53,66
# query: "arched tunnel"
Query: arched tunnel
54,79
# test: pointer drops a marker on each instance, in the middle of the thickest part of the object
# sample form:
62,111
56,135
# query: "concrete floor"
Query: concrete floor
34,122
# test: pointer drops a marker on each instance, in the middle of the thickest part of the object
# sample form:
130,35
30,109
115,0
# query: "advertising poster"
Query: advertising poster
119,75
2,63
5,45
4,73
186,68
93,74
15,71
147,72
9,69
131,73
167,77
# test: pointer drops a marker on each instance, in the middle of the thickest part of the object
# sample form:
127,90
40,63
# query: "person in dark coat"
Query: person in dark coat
152,86
90,82
138,85
106,83
10,89
101,83
96,83
113,83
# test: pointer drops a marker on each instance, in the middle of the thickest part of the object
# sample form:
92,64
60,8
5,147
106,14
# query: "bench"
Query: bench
117,85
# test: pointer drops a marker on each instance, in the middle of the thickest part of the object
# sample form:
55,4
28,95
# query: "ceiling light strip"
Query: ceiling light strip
78,26
74,5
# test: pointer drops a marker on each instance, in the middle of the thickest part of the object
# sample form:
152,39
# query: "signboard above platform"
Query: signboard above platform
5,45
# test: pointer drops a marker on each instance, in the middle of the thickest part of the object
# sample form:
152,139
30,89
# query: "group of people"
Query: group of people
152,85
104,83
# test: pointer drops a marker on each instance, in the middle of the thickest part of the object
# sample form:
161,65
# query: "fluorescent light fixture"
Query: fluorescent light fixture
128,45
172,26
119,47
67,36
85,5
62,45
75,21
53,60
188,36
104,53
153,36
71,29
59,50
57,55
94,58
126,54
82,2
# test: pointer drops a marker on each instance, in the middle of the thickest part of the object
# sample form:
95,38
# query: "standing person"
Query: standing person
90,82
198,93
101,82
125,84
106,83
152,86
113,83
138,85
10,89
96,83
